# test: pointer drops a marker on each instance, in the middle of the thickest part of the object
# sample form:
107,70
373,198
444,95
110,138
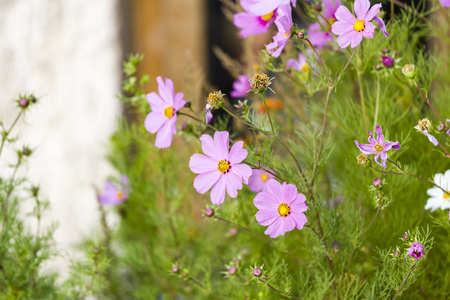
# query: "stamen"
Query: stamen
268,16
223,166
447,195
168,112
284,209
264,177
359,25
378,148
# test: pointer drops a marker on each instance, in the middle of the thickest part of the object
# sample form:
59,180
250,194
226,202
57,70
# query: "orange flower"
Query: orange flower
272,104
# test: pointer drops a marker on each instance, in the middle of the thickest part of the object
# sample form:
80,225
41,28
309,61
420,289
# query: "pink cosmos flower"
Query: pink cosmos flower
220,168
351,30
284,24
161,120
280,207
298,65
317,35
378,147
415,251
114,194
251,23
263,7
445,3
258,181
241,87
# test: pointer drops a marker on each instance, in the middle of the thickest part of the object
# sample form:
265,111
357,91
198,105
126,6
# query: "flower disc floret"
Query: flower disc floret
220,169
280,208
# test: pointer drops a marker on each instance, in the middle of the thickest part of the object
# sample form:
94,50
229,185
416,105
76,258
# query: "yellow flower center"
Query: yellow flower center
305,68
120,194
286,34
284,209
223,166
359,25
378,148
268,16
264,177
447,195
168,112
331,21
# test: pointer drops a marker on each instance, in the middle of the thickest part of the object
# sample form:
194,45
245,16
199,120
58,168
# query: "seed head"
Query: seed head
423,125
215,99
362,159
260,81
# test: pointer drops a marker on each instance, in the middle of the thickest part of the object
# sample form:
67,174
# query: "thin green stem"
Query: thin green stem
277,290
6,133
405,280
361,91
320,60
8,194
270,242
360,239
345,67
429,104
197,119
198,283
377,105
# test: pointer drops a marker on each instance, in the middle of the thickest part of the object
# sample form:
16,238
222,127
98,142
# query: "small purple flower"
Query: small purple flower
333,203
241,86
317,35
284,24
431,138
114,194
252,23
388,61
208,113
351,30
378,147
298,65
415,251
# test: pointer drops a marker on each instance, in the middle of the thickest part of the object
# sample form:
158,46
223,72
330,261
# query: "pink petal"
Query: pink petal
156,103
361,8
209,148
222,143
204,181
234,183
154,121
299,219
381,25
242,170
372,141
431,138
218,191
178,101
368,31
250,24
346,38
372,12
237,153
356,40
286,224
365,148
391,145
208,116
265,201
266,217
299,204
274,188
341,27
380,135
344,15
261,8
164,135
166,90
289,193
383,157
200,163
273,228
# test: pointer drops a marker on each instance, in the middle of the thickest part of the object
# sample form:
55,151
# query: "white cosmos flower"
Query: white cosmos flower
439,199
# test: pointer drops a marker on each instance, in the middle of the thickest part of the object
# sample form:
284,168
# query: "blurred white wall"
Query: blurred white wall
68,53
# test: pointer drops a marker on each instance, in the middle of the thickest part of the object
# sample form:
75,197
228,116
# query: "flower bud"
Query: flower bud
236,261
388,61
318,7
96,250
378,66
175,269
184,126
300,35
395,253
386,50
405,236
441,127
232,270
376,182
23,102
233,231
209,212
257,272
409,71
260,82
